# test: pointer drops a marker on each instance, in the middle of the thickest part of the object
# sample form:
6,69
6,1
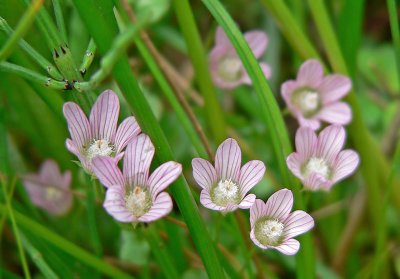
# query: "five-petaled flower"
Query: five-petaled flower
226,67
49,189
273,226
98,136
320,161
313,98
225,187
133,196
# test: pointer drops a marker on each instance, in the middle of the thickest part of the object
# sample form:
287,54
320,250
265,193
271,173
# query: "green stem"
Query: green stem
60,19
91,214
103,28
394,27
23,26
187,24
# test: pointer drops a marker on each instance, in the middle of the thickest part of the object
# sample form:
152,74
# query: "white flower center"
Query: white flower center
100,147
230,68
317,165
138,201
308,101
269,232
52,193
225,192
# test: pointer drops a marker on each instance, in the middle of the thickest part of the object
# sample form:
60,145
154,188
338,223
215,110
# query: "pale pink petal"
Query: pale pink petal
163,176
264,67
161,207
312,123
204,173
60,206
104,116
294,162
279,204
306,143
138,156
250,174
315,182
114,204
107,171
334,87
310,73
78,124
289,247
256,242
50,173
206,201
257,211
257,41
287,90
298,222
336,113
247,202
71,146
345,164
220,37
127,130
228,160
65,181
330,142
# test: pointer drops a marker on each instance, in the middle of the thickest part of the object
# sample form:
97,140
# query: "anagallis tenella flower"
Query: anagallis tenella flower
226,67
313,98
320,161
273,226
132,195
225,187
49,189
99,136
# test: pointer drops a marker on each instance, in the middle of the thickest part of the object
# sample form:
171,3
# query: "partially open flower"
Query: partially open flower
98,136
227,69
273,226
320,161
134,196
313,98
49,189
225,187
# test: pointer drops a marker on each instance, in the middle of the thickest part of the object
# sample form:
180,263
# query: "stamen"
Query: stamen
317,165
269,232
308,101
230,68
52,193
100,147
138,201
225,192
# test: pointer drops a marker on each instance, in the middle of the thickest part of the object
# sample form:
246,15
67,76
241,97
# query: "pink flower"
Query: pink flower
313,98
98,136
273,226
225,187
133,196
226,67
49,189
320,161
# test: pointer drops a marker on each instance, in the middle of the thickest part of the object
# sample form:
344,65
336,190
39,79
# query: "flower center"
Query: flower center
225,192
230,68
308,101
269,232
52,193
138,201
100,147
317,165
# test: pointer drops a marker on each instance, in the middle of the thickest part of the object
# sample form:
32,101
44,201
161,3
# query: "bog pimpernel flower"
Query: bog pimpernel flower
273,226
49,189
320,161
225,187
98,136
134,196
313,98
226,67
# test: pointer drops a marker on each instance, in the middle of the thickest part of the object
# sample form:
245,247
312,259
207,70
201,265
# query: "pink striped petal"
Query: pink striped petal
336,113
312,123
138,156
250,174
104,116
334,87
78,124
220,37
294,162
257,211
310,73
315,182
228,160
247,202
306,143
289,247
279,204
204,173
161,207
127,130
107,171
287,89
206,201
257,41
163,176
71,146
345,164
114,204
298,222
330,142
256,242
